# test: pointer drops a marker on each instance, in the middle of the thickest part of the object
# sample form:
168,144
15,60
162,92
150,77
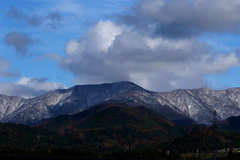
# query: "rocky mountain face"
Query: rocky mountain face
183,106
200,103
59,102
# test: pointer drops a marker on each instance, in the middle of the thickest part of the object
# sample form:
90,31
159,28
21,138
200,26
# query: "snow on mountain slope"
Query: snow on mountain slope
69,101
198,104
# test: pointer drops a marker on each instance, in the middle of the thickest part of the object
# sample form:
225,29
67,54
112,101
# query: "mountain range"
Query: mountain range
182,106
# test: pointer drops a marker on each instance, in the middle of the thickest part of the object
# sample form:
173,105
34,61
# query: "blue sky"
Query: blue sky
160,45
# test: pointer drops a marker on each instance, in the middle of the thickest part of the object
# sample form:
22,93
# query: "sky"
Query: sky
161,45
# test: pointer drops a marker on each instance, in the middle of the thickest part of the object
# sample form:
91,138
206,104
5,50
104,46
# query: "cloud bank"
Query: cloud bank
156,46
29,87
183,18
109,53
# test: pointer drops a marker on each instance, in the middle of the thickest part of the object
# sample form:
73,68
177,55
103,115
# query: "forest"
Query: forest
118,131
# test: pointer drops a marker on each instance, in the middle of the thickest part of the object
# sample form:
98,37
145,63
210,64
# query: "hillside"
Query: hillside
118,125
108,128
204,140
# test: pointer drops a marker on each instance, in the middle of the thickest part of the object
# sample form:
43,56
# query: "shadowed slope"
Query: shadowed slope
109,126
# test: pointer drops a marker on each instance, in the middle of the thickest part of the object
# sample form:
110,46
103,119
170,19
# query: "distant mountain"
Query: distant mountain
59,102
180,106
77,99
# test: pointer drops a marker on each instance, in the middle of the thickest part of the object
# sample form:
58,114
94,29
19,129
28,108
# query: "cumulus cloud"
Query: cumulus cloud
4,67
101,37
50,20
184,18
20,41
156,46
28,87
110,52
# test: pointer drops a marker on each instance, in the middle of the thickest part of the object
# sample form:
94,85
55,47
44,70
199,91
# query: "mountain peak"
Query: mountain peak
114,84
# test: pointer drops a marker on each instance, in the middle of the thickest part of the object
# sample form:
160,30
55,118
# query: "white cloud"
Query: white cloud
156,46
73,47
220,63
97,39
39,84
29,87
109,53
104,34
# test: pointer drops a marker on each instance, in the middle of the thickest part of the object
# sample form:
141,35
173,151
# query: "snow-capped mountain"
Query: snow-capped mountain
59,102
196,104
200,103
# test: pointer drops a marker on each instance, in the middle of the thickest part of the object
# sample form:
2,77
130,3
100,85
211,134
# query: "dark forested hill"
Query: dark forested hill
104,127
230,124
204,140
117,126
